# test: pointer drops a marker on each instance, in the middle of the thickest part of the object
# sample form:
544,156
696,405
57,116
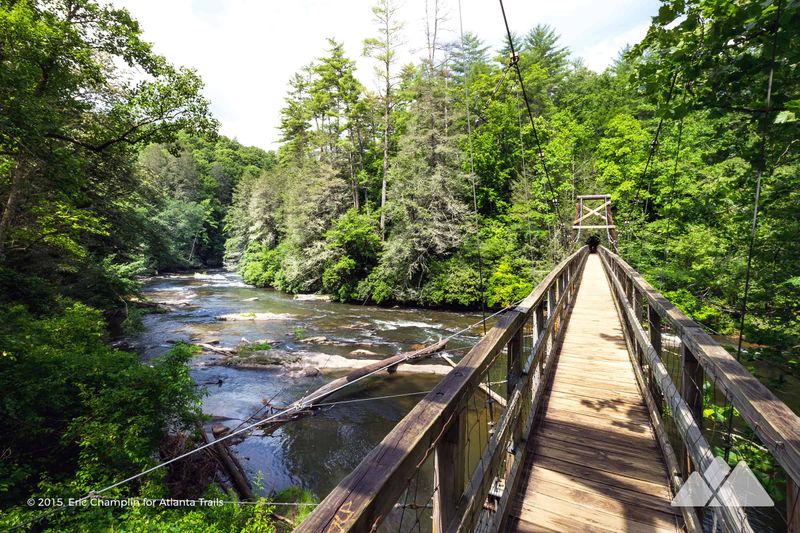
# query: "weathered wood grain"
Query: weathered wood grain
773,421
593,462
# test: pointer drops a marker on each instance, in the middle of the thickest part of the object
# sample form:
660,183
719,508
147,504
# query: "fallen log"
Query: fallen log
228,460
216,349
230,464
389,364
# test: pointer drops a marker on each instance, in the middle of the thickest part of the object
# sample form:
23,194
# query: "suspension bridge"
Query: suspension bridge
603,385
592,405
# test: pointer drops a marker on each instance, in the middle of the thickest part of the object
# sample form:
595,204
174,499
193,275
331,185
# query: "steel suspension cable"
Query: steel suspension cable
481,114
293,408
672,192
654,143
472,164
526,185
556,208
762,166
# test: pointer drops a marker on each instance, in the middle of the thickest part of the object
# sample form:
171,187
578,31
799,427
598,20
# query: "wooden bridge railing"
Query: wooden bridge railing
473,432
683,372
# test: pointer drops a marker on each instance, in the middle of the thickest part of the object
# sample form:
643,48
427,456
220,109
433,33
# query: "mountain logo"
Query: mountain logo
719,487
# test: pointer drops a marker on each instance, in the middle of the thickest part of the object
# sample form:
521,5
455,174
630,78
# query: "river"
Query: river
316,452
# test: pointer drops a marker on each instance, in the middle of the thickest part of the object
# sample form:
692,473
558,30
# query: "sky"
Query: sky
247,50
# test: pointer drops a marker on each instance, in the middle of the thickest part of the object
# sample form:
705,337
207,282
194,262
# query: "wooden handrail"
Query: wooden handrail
688,426
771,420
365,497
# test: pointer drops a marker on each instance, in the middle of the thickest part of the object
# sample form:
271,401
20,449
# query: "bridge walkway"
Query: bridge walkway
593,463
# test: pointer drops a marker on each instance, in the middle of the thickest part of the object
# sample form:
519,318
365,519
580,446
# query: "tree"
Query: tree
73,113
427,214
384,49
735,67
541,47
470,56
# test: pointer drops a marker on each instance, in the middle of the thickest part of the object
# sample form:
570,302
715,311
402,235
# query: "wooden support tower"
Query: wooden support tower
594,206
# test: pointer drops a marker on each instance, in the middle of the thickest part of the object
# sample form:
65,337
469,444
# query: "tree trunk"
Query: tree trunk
18,176
194,242
353,181
230,465
386,104
389,364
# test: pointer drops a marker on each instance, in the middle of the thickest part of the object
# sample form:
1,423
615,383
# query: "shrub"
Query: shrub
79,410
260,265
452,283
508,283
353,246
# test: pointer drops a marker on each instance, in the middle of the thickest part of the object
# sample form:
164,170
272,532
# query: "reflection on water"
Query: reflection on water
314,453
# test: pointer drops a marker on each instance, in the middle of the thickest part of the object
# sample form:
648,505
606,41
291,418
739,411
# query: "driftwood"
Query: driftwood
230,464
216,349
389,364
228,460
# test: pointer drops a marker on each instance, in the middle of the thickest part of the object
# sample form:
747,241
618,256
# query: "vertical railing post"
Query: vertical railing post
792,506
538,320
629,290
448,471
692,394
654,321
516,353
538,328
636,302
514,359
552,300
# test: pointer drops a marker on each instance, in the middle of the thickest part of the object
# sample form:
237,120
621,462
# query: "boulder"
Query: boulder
361,352
310,371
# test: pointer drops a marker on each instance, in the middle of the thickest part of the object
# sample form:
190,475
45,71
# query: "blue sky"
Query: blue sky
246,50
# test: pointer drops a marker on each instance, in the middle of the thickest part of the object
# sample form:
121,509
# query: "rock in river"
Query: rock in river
257,317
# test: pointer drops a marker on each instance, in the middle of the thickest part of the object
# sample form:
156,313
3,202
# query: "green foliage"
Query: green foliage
260,265
94,195
353,245
250,347
698,206
505,286
112,410
339,279
452,282
188,195
66,158
296,495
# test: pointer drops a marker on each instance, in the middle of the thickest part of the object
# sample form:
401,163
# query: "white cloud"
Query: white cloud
247,50
598,56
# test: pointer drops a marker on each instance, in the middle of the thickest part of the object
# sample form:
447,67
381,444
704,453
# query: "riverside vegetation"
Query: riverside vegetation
378,197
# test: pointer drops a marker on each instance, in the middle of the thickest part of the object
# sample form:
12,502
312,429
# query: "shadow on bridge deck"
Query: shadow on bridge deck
593,463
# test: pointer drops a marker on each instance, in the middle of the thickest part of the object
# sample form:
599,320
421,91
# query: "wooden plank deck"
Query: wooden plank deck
593,463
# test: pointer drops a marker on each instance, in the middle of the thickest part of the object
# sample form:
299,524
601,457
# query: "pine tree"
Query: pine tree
384,49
